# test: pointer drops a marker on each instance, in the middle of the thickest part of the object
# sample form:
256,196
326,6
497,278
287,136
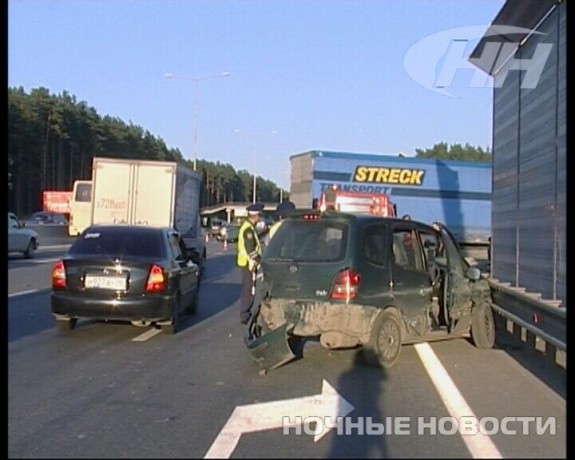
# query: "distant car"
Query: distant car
373,282
20,238
46,217
215,226
263,226
229,233
127,273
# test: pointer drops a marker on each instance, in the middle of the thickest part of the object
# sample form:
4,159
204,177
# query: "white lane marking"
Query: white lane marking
147,335
54,246
23,264
44,261
35,261
479,445
16,294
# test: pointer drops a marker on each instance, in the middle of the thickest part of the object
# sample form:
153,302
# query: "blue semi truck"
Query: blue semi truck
455,193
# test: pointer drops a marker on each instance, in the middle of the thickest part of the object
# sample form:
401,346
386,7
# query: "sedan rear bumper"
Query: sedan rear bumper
129,309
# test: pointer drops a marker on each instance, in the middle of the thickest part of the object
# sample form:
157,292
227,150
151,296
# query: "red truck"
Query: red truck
357,202
56,201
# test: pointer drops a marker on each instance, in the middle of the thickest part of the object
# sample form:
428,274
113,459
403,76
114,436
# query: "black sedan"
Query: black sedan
127,273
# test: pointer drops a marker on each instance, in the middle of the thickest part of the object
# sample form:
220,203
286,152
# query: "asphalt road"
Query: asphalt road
112,390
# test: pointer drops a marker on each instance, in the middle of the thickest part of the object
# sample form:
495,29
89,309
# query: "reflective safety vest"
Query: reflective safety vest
243,254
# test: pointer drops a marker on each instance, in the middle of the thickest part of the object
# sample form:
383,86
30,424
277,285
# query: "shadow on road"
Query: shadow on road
361,385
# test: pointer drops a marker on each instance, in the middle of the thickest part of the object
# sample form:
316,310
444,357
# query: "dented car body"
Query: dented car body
374,282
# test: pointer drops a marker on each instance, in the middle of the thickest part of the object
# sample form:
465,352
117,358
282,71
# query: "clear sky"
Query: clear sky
352,76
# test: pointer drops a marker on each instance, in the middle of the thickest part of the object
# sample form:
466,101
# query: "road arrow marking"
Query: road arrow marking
272,415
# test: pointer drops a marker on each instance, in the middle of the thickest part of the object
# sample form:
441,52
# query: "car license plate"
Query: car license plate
116,283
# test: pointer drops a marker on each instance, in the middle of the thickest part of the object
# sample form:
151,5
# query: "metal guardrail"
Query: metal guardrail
545,319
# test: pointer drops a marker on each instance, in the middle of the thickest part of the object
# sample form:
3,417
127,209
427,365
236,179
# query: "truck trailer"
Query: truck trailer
145,192
454,193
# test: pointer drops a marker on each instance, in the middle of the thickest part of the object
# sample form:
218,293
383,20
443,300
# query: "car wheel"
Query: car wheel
483,326
66,325
141,323
31,249
192,308
173,327
384,345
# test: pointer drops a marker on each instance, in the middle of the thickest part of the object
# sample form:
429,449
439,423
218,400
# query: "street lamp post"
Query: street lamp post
242,131
254,186
196,81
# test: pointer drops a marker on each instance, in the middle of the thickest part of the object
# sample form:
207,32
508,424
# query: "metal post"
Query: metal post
196,82
195,158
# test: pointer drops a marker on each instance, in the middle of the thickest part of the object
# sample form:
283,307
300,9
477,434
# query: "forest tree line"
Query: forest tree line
52,140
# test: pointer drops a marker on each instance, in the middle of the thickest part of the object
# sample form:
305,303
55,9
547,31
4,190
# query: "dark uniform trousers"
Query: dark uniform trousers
246,297
249,251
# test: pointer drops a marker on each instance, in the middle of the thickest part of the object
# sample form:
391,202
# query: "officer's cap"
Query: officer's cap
285,209
255,209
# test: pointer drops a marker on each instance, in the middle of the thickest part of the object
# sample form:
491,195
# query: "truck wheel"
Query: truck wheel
483,326
384,346
31,249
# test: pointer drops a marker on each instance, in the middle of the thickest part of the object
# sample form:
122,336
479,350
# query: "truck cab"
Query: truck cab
376,204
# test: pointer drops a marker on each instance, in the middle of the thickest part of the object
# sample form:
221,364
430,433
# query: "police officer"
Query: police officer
248,258
283,210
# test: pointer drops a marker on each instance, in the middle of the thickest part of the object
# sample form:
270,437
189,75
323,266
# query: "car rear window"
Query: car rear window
119,242
309,241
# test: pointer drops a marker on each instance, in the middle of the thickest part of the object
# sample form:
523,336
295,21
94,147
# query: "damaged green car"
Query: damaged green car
365,281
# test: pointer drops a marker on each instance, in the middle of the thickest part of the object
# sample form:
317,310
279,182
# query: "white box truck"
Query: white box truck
146,192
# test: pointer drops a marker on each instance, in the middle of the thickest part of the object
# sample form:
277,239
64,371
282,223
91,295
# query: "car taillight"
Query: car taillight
345,285
156,279
59,275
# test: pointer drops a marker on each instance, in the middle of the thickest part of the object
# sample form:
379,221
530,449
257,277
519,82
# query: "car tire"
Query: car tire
192,308
31,249
141,323
66,325
384,346
483,326
174,325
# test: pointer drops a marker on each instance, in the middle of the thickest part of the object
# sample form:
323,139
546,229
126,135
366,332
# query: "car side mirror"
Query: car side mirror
473,273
